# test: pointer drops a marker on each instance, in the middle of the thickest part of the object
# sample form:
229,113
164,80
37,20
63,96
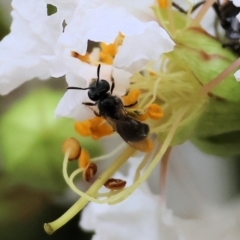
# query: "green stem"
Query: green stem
51,227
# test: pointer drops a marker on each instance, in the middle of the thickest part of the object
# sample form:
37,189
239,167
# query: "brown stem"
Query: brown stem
202,12
217,80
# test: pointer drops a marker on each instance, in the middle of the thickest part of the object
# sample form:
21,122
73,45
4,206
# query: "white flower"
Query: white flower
142,215
39,45
29,40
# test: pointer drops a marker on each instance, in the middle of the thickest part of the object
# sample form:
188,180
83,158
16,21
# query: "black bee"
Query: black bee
227,13
112,109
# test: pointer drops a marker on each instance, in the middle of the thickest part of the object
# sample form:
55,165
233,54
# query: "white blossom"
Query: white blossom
39,45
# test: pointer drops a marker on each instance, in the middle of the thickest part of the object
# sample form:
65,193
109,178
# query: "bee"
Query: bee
226,14
111,108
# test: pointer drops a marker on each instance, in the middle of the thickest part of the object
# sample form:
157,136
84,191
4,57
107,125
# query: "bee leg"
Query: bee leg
96,113
131,105
113,85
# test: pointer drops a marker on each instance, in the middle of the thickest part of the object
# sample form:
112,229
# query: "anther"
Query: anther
115,184
162,3
154,111
83,159
131,97
73,144
89,172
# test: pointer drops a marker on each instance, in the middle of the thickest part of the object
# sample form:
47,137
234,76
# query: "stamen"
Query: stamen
51,227
83,128
96,127
129,190
115,184
104,157
162,3
170,17
89,172
131,97
155,112
84,159
163,174
73,144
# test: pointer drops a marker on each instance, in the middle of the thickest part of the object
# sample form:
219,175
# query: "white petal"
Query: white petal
88,23
119,221
71,103
33,34
143,47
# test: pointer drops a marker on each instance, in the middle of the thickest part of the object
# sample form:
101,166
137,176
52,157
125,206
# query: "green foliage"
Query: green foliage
31,140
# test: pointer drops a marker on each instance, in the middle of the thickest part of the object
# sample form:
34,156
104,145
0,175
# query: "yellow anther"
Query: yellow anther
83,58
83,128
132,97
154,111
84,159
162,3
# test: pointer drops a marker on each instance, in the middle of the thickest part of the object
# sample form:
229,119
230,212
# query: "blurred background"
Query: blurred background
32,188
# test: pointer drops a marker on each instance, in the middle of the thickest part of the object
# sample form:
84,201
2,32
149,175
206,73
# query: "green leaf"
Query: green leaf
225,145
206,58
219,117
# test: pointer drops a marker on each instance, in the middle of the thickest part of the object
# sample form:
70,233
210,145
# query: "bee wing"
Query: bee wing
133,132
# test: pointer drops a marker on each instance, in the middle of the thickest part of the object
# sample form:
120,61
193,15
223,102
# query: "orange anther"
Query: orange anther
154,111
131,97
142,117
162,3
99,128
83,128
96,127
73,144
84,159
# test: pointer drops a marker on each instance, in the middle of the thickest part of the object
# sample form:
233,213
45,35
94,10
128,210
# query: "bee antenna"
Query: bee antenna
98,73
78,88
